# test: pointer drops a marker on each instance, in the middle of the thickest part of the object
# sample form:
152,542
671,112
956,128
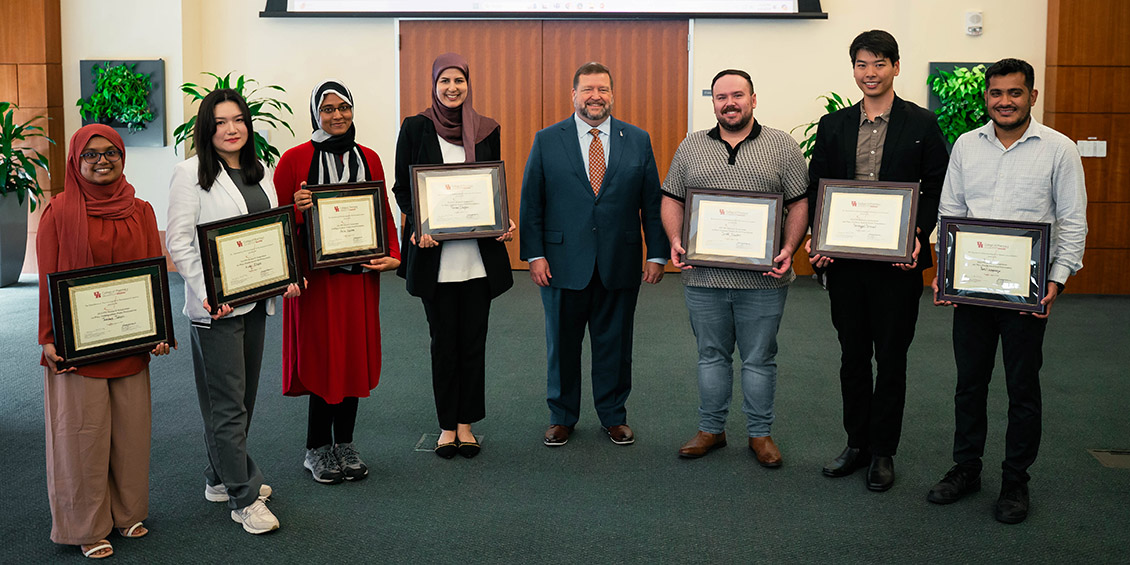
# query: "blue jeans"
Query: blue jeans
720,318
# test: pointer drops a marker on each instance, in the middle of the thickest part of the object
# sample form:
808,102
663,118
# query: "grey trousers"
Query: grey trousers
226,359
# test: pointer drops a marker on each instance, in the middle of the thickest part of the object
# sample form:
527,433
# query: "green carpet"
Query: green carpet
594,502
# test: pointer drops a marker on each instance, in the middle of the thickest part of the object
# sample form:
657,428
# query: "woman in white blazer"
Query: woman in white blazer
223,180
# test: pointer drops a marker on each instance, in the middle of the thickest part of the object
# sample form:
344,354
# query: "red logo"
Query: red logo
239,243
721,212
336,209
447,186
980,245
97,294
853,203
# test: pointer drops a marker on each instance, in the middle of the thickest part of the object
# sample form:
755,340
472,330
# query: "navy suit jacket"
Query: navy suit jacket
914,151
577,231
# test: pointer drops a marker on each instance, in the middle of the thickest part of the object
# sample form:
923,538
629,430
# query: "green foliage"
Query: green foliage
120,94
832,102
962,93
263,110
18,161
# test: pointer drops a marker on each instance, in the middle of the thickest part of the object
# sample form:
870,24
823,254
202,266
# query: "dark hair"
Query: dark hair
1009,66
249,166
876,41
735,72
591,68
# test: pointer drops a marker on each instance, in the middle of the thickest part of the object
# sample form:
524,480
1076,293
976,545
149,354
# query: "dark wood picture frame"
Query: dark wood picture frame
696,196
62,286
375,190
207,234
1037,285
904,253
499,225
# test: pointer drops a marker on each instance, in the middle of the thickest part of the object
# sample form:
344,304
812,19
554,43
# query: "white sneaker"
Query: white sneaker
219,493
256,518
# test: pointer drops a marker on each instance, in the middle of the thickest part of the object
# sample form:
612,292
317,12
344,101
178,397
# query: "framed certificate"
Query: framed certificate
736,229
110,311
248,258
994,263
346,225
460,200
865,220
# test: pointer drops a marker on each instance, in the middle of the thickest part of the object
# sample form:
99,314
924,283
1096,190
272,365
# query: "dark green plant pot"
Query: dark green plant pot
13,238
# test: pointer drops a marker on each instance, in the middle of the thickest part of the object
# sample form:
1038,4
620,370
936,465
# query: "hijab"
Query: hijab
337,158
82,198
463,125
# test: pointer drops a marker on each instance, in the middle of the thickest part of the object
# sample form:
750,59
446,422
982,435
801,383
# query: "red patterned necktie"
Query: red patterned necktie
596,161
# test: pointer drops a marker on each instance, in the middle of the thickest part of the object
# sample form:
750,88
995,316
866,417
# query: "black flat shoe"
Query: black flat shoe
447,450
469,449
851,460
881,473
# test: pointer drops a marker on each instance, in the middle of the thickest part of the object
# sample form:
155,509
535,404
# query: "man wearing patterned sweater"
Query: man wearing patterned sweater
729,306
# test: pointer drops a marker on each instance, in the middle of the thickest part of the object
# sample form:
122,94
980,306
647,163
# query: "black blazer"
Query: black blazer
914,151
418,145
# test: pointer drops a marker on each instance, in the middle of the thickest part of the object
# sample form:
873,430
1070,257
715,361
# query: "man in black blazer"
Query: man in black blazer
875,304
590,182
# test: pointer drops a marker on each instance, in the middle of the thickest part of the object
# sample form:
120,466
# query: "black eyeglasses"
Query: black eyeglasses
329,110
93,157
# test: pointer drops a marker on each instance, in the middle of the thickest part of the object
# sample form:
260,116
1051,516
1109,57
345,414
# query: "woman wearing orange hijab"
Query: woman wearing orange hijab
98,415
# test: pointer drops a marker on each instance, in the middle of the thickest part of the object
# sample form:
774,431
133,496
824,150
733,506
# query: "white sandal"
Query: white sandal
98,546
129,532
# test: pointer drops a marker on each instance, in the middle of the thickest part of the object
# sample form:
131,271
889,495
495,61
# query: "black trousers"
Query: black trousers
327,424
457,321
874,310
975,333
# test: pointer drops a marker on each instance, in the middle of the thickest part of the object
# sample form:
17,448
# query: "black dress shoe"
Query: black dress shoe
958,482
881,473
1012,506
846,463
469,449
447,450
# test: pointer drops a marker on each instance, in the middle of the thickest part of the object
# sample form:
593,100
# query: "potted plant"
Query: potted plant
832,102
18,163
264,110
121,95
962,96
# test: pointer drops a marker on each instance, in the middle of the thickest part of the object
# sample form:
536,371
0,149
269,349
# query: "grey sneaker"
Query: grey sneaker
323,465
350,462
256,518
219,493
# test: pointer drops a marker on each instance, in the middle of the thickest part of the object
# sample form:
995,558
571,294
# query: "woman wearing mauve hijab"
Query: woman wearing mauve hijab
332,333
455,279
97,415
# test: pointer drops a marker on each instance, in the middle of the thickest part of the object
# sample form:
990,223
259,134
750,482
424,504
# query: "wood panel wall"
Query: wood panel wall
1088,75
31,76
522,76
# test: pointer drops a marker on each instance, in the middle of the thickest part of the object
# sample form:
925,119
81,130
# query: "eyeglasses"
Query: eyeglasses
92,157
329,110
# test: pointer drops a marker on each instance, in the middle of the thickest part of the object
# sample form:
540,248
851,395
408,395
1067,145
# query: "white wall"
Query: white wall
792,62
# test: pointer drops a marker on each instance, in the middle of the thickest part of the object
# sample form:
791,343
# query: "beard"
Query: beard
598,115
739,125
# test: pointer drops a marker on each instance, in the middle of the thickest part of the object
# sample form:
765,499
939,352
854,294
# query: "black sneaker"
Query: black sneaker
350,462
323,465
1012,506
958,482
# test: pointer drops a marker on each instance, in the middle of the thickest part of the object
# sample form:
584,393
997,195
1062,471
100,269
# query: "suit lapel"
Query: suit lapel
232,191
572,143
849,140
895,129
615,152
430,151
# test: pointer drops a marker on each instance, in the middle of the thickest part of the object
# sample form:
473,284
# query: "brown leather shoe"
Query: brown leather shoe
620,435
701,444
766,451
557,435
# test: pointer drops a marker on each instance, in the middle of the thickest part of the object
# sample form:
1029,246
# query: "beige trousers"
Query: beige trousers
97,454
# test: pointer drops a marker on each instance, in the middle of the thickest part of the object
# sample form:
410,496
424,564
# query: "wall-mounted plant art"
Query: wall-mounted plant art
128,96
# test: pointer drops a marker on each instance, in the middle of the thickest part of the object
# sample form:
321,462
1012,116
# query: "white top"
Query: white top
1037,179
459,259
584,134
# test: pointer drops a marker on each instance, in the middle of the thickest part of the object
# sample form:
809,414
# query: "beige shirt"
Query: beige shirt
869,147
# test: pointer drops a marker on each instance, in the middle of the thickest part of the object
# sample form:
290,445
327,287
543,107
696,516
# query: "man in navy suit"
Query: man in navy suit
590,182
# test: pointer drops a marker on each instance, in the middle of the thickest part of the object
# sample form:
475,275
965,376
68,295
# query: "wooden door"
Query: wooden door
522,76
